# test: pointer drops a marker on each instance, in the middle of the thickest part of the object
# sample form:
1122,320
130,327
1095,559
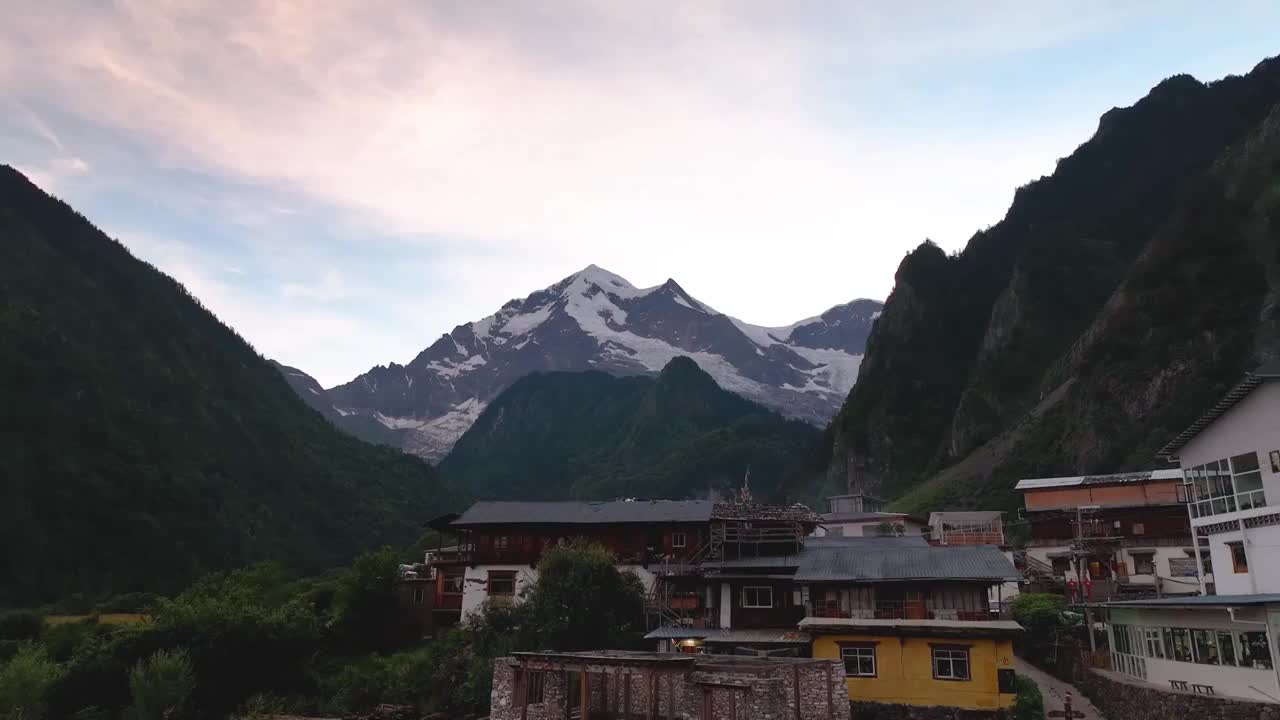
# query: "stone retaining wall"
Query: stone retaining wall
1121,700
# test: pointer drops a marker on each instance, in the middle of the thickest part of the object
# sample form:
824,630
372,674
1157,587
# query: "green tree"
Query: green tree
161,684
582,602
25,681
366,613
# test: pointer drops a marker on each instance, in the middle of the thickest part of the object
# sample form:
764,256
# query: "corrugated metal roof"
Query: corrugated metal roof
870,564
1234,395
947,627
964,517
764,635
677,633
585,513
866,541
1200,601
1112,479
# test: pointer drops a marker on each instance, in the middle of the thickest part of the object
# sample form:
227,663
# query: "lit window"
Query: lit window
1139,529
859,660
679,540
950,663
1239,560
757,596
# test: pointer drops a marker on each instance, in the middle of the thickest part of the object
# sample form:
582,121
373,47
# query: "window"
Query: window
1120,635
950,663
1239,560
1154,648
534,683
453,583
502,583
1255,651
1139,529
418,596
1206,646
1275,461
757,596
1247,477
1144,564
679,540
1226,648
859,660
1061,566
502,542
1177,644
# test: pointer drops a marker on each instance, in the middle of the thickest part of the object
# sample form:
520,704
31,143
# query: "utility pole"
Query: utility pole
1077,549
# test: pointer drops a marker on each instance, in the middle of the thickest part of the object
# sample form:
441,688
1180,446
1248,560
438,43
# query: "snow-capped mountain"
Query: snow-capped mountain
595,319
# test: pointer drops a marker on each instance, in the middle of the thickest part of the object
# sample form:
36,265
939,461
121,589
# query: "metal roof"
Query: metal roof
1251,381
964,517
1112,479
517,512
864,516
677,633
867,541
955,628
888,563
752,635
1199,601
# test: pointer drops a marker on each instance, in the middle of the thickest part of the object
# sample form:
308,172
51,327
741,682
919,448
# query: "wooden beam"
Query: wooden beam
708,710
733,705
522,692
584,694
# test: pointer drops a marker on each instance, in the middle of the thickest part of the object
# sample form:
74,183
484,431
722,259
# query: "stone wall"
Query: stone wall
760,690
883,711
1134,701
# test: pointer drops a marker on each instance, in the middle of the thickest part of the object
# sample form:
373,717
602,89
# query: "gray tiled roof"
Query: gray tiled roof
1236,394
585,513
868,564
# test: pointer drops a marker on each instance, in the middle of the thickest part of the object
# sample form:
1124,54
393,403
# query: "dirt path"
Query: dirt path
1055,691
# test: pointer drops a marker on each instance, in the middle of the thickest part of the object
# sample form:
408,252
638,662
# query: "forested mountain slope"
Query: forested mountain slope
591,435
143,443
1116,298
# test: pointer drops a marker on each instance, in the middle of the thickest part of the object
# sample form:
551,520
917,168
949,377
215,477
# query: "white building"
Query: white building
861,515
1230,459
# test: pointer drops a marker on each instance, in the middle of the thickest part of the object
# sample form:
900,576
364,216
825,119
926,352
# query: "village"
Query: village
756,610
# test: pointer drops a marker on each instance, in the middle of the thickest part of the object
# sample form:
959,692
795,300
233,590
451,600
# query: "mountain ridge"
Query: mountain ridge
595,319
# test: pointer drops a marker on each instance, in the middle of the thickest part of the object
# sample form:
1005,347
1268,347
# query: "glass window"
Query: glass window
1155,648
757,596
1239,560
859,660
1226,648
1206,646
418,596
1177,644
453,583
1255,651
1144,564
678,539
502,542
1121,635
502,583
951,663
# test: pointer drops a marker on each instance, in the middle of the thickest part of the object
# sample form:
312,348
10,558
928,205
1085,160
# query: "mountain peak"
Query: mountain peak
595,275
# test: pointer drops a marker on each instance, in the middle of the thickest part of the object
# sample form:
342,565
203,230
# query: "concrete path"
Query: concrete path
1055,690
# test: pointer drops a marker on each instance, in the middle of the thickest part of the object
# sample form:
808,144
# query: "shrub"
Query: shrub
24,683
161,684
1029,704
20,625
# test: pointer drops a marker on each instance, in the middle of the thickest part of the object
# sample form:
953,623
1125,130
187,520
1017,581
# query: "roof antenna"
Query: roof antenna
745,494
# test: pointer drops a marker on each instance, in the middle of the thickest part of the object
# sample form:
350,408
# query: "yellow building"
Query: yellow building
954,663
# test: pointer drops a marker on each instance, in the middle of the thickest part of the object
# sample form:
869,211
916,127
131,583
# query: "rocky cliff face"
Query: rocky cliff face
595,320
1113,301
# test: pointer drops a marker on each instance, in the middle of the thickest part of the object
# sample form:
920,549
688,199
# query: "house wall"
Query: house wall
904,672
475,584
1261,547
1159,492
1163,554
1253,425
1248,683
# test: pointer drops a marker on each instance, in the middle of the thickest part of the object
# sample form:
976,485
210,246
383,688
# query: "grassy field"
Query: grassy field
103,619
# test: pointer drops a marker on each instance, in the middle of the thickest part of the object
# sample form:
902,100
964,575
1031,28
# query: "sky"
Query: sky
343,182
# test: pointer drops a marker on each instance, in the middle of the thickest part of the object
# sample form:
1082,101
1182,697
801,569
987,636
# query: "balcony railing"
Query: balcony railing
901,611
